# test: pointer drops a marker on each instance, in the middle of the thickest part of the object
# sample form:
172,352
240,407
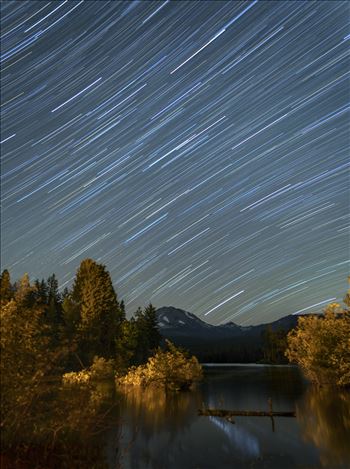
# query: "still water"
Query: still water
101,427
161,431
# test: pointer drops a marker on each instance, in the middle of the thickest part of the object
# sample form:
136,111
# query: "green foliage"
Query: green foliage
100,314
274,345
127,345
71,315
149,326
138,338
347,297
26,356
148,335
45,294
44,333
25,293
170,369
321,346
6,290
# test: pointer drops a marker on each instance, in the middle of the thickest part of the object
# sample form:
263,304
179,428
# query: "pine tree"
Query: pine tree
152,331
40,291
25,293
127,345
54,302
147,331
141,349
6,291
100,313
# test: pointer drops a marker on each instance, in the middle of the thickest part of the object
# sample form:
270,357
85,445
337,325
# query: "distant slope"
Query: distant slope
228,341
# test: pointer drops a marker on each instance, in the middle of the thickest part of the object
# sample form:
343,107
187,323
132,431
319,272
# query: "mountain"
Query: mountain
176,322
226,342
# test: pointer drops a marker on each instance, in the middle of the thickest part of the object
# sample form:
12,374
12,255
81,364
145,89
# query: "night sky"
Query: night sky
198,149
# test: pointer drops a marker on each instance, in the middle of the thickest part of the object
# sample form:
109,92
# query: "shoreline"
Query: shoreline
242,365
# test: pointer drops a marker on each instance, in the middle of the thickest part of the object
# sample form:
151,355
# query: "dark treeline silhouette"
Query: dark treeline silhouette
46,333
265,345
87,320
268,348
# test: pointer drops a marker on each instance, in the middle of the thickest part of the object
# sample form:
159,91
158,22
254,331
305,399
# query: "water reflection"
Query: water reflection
239,438
324,416
133,428
165,431
153,421
66,427
159,411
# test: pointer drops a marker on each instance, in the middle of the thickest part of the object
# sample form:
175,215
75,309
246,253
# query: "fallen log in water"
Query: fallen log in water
242,413
230,414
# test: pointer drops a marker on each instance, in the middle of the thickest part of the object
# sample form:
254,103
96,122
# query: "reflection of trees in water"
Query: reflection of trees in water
159,410
65,428
324,415
155,420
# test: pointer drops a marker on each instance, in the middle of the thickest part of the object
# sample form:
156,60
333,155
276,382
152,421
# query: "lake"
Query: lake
160,431
101,427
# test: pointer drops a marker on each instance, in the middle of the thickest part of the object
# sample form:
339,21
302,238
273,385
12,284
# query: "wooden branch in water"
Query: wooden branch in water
229,414
242,413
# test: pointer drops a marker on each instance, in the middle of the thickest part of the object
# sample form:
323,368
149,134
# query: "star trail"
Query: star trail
199,149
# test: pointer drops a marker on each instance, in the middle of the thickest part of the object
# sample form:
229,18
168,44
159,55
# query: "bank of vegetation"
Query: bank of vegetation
81,336
76,337
320,345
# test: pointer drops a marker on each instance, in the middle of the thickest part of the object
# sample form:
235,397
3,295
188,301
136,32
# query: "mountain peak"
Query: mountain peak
170,317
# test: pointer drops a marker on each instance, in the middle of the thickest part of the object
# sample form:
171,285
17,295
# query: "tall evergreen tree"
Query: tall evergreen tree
25,292
127,346
40,291
147,331
6,290
152,331
100,313
54,301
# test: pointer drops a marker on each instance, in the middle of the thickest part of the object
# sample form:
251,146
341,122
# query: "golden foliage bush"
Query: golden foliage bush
77,377
169,369
99,370
320,345
25,362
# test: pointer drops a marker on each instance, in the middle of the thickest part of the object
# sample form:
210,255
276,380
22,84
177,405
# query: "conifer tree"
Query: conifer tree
152,331
54,302
148,333
100,313
40,291
6,291
25,292
127,345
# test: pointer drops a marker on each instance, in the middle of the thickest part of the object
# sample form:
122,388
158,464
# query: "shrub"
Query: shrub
77,377
25,362
100,369
321,347
171,369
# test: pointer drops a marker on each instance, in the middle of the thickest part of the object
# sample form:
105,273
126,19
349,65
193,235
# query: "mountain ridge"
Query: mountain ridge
179,314
228,341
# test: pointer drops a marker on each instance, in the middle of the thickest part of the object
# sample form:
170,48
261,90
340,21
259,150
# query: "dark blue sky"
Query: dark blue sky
198,149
